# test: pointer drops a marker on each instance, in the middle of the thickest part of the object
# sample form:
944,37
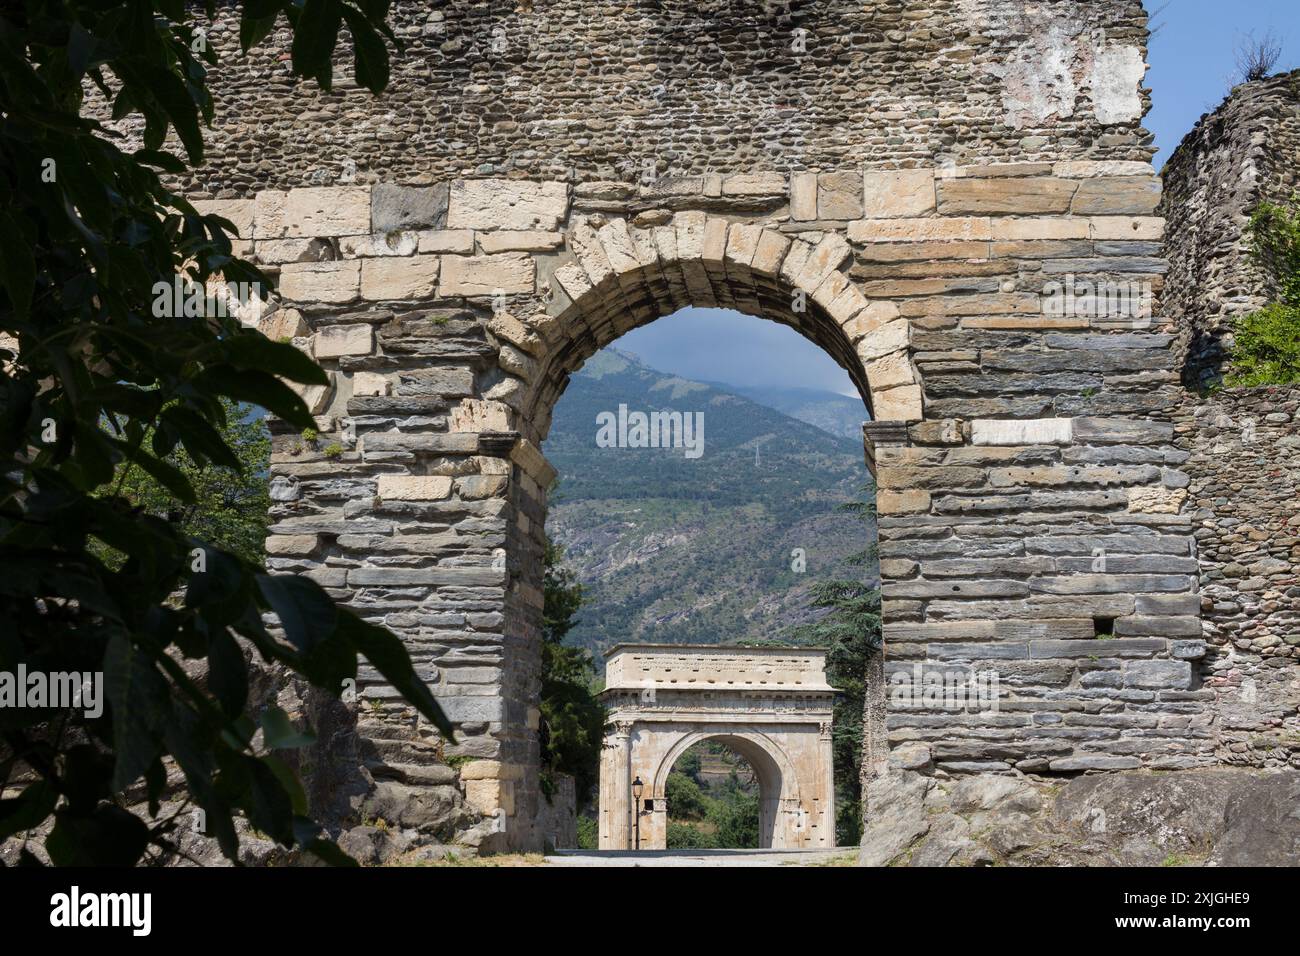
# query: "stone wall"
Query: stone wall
1242,442
1247,151
605,89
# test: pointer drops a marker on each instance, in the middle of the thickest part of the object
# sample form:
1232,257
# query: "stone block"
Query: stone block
950,229
902,502
902,404
513,204
333,341
1158,675
479,415
369,383
506,273
334,283
1034,431
326,211
283,325
803,197
408,207
414,277
839,195
898,194
1117,196
890,337
528,240
1009,195
754,184
453,241
414,487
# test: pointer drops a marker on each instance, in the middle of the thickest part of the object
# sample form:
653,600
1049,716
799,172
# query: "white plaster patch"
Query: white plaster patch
1117,74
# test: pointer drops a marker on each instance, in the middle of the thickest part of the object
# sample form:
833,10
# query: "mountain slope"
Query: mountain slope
840,415
677,549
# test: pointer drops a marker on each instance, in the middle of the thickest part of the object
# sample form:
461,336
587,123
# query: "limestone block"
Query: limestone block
803,197
618,246
665,239
478,415
897,194
333,341
488,204
413,277
891,337
370,383
240,213
277,251
742,242
268,214
506,326
408,207
950,229
283,325
1034,431
770,253
454,241
754,184
591,254
1157,500
890,371
526,240
330,282
414,487
572,279
396,243
1051,228
839,195
315,397
714,247
1132,228
504,273
902,502
1021,196
869,319
902,404
1088,168
690,235
327,211
848,303
827,256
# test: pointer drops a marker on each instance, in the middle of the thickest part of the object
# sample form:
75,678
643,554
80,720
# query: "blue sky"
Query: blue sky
1192,57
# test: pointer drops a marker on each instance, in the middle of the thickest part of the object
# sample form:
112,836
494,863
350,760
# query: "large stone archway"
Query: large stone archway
913,191
1003,478
770,705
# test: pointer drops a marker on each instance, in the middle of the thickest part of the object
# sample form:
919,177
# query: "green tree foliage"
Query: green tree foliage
101,377
850,630
685,798
230,506
1266,349
573,720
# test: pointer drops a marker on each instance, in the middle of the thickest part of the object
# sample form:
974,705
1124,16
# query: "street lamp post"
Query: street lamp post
637,787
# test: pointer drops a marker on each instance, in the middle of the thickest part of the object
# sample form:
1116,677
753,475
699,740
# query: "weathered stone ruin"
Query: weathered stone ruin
954,198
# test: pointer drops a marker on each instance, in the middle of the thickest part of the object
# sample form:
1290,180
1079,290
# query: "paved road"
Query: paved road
700,857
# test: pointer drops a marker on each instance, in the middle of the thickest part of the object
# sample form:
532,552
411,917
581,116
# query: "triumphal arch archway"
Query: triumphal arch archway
770,705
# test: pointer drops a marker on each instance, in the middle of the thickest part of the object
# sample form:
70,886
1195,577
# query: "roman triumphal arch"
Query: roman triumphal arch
771,705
